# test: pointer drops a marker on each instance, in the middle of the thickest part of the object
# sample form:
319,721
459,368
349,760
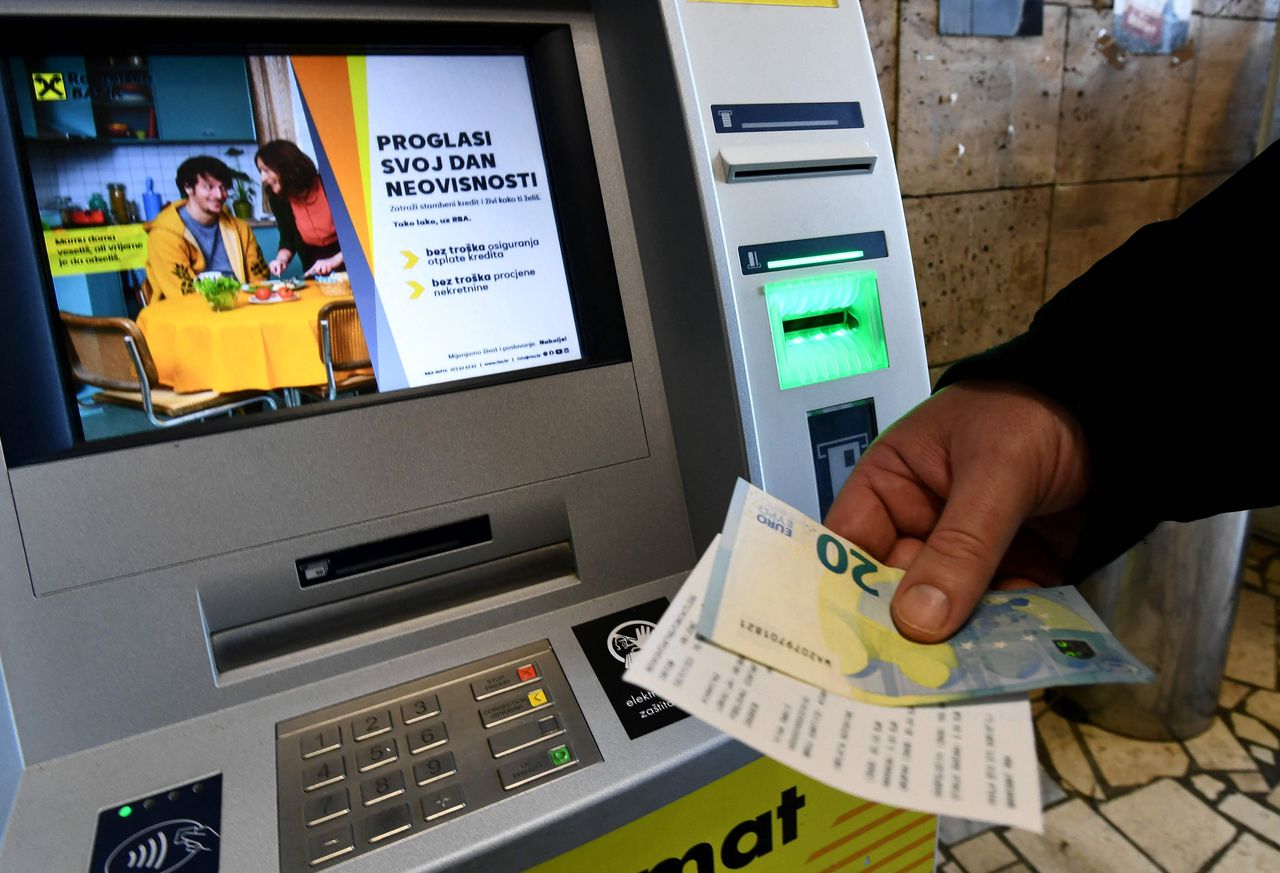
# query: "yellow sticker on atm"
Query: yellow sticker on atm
762,818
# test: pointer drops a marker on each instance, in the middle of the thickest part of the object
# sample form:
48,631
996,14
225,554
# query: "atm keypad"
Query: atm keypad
433,769
504,680
370,725
532,767
326,807
431,735
441,803
326,739
326,771
330,846
422,706
375,755
381,788
388,765
524,735
387,823
513,706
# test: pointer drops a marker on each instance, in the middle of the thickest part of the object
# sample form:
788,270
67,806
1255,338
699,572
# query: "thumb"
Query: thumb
985,509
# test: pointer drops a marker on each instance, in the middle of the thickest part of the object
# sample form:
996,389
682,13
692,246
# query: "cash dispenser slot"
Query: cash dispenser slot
243,646
746,163
391,581
363,558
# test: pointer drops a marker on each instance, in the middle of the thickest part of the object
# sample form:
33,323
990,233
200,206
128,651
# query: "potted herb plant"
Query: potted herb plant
242,195
243,190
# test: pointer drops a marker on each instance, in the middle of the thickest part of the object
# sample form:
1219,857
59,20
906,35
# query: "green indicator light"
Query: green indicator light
560,755
813,259
126,811
826,327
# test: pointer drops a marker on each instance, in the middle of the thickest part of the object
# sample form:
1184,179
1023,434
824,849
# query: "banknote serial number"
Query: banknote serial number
783,641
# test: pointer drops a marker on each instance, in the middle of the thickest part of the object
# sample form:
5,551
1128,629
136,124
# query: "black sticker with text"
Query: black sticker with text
610,643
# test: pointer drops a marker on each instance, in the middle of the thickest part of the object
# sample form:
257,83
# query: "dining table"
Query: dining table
255,346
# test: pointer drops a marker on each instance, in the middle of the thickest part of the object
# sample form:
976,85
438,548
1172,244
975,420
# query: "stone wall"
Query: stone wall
1024,160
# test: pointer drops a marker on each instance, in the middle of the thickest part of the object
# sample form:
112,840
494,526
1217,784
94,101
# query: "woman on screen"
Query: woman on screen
301,208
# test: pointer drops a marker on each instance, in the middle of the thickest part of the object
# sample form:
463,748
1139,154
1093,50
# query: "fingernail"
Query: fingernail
923,608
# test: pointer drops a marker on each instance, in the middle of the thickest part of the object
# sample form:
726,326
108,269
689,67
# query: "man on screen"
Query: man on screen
197,235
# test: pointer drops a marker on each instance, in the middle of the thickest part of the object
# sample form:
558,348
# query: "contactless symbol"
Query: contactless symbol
48,86
162,848
626,640
1075,649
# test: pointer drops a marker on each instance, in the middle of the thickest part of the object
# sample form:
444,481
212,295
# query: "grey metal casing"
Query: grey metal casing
105,645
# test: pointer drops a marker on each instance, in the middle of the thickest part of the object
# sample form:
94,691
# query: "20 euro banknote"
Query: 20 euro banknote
790,594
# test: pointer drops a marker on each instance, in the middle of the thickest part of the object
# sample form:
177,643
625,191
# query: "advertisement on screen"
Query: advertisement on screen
286,230
439,163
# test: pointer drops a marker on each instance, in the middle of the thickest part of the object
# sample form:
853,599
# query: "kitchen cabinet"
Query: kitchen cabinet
100,294
202,98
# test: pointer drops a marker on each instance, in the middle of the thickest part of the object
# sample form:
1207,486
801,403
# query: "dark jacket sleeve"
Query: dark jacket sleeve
289,237
1162,350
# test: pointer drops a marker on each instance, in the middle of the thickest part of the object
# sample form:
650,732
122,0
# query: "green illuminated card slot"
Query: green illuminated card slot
827,321
826,327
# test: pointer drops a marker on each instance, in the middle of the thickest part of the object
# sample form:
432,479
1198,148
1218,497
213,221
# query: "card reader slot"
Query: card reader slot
836,318
249,644
826,327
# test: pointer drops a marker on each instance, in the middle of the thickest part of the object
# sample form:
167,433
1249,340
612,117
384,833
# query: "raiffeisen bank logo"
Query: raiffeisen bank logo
626,640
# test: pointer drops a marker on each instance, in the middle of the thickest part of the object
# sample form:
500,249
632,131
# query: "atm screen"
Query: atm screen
284,231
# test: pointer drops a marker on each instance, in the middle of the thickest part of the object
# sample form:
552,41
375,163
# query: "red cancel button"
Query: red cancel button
527,672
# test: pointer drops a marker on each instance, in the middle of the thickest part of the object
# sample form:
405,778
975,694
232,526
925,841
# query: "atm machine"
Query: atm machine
386,632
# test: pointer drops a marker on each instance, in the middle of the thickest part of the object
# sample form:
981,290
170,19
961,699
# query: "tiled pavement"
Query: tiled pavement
1117,805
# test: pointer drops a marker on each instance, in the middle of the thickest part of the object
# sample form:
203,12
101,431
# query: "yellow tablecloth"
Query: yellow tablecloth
256,346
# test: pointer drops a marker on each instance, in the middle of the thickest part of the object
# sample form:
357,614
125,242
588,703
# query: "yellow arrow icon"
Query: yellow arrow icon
417,289
412,258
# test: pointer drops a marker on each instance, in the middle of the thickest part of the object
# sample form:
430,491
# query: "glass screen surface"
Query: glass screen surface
292,227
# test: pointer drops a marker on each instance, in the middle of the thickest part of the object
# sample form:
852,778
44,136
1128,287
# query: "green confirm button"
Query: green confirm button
560,756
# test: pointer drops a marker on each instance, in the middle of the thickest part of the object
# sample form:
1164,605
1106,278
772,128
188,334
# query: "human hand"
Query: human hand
325,266
976,487
277,266
194,838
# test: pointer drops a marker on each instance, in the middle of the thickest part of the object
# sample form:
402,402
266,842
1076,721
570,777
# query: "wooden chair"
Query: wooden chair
112,354
343,350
